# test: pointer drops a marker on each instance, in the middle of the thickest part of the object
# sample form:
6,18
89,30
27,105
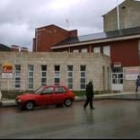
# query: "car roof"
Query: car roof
54,86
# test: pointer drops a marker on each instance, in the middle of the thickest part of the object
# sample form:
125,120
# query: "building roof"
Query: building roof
48,26
99,37
4,48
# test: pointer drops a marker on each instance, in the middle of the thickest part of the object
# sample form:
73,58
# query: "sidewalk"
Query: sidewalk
120,96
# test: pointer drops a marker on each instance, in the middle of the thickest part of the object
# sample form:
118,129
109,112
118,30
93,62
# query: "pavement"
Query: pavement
111,96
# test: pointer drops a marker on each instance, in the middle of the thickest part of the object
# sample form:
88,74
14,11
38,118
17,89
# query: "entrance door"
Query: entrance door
117,79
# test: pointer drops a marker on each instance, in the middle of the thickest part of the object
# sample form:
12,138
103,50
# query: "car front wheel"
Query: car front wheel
29,105
68,102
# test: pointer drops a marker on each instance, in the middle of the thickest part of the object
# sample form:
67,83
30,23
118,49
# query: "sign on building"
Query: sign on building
131,73
7,70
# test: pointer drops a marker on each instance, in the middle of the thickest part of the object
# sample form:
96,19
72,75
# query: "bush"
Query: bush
13,94
83,93
79,93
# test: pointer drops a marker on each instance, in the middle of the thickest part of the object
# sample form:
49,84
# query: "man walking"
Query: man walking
89,95
137,83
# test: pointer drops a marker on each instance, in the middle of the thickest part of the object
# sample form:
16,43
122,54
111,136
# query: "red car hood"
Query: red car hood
27,95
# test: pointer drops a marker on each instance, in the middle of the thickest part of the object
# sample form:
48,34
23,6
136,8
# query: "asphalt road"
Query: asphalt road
110,119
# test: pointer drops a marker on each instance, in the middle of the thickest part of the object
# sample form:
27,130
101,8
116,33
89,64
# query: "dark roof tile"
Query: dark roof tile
100,36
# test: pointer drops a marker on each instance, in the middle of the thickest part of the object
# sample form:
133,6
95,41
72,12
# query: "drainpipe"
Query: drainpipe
118,15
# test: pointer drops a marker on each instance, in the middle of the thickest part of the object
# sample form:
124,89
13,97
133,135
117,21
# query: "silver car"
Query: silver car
0,98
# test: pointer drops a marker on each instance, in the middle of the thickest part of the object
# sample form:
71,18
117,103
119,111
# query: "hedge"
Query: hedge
13,94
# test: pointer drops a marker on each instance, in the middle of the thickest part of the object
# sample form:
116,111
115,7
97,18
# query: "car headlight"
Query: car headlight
19,100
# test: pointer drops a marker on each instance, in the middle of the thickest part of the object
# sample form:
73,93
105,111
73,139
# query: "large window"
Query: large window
106,50
96,50
70,77
17,76
83,77
57,75
30,76
84,50
43,75
76,50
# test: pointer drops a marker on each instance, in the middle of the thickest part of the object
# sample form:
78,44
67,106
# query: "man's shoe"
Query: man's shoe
92,108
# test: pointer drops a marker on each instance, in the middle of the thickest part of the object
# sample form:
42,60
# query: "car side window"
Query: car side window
48,90
59,90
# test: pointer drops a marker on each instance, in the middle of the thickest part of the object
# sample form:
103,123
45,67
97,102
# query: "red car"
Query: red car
46,95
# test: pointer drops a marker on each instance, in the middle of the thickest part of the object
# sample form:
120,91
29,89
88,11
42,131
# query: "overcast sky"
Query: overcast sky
20,18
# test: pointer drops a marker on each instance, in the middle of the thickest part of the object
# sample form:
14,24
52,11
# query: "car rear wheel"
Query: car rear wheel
68,102
30,105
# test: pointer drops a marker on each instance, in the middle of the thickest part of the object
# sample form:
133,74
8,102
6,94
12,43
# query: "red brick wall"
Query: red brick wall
125,52
48,36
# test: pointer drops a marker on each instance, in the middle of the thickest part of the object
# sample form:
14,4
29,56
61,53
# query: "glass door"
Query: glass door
117,79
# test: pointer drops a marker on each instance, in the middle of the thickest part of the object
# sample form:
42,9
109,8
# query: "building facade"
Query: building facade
28,71
122,46
128,16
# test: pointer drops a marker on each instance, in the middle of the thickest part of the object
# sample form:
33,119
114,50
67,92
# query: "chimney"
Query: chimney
73,33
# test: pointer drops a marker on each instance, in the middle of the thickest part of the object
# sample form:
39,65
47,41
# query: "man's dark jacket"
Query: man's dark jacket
89,91
138,82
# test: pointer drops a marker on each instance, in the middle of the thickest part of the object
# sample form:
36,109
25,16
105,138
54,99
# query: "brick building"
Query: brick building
48,36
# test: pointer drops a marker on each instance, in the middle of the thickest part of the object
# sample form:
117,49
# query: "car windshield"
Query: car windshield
39,90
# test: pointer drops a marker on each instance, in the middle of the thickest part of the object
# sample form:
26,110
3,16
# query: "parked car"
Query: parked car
46,95
0,98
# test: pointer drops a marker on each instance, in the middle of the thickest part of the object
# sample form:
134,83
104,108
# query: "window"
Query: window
57,75
30,76
48,90
106,50
83,77
84,50
76,51
60,90
70,77
96,50
43,75
17,76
